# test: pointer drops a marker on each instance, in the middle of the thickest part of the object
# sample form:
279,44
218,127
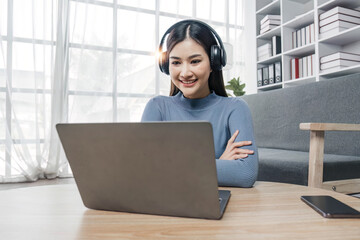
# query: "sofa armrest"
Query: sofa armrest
329,127
316,150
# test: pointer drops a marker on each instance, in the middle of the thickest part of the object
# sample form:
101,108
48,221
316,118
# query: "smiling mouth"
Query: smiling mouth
188,82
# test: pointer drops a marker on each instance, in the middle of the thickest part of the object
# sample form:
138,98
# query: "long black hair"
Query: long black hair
206,39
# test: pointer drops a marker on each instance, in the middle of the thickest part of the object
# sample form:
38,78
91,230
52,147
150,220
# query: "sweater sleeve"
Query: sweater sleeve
240,172
152,111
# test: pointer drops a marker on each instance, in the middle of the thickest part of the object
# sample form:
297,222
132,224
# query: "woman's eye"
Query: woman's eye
175,62
195,61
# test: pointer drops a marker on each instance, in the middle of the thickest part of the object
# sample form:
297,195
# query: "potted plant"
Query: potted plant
236,86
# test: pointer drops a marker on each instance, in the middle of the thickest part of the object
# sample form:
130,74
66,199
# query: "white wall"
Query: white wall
250,46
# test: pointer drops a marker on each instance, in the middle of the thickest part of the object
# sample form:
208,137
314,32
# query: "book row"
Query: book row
270,74
302,67
339,60
269,49
303,36
336,20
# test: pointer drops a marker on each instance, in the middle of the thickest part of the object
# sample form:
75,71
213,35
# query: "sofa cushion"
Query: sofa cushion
288,166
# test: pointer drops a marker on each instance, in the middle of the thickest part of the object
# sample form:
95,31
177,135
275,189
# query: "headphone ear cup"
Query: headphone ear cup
223,58
164,63
215,58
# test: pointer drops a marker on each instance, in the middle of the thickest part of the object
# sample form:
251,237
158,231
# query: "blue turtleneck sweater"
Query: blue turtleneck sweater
226,116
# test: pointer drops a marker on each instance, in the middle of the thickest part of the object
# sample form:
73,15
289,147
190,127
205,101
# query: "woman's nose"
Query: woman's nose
186,71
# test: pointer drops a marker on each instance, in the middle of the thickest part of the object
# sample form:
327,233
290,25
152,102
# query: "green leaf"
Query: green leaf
236,86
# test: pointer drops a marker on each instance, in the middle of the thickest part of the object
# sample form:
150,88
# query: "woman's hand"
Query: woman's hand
233,150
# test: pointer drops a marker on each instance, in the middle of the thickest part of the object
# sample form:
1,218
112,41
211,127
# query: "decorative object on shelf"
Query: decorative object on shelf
236,86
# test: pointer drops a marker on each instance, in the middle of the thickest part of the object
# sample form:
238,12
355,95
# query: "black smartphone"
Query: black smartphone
330,207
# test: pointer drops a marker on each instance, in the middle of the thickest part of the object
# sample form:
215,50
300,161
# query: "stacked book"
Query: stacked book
336,20
303,36
269,22
269,74
264,51
302,67
339,60
269,49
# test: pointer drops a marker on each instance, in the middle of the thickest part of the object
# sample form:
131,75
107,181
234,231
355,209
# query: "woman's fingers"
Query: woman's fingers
242,151
233,150
237,156
233,137
241,144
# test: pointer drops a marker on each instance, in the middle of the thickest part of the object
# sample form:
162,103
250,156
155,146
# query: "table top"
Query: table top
266,211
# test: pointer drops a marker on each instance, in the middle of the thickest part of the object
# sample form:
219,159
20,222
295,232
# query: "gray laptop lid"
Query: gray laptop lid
165,168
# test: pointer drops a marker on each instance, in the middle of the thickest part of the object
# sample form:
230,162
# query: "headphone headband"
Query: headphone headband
217,54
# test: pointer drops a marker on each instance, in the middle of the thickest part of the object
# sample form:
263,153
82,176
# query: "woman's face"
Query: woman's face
189,68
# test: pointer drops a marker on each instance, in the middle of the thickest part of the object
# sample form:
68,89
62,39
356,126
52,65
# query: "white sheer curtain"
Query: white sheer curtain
31,96
86,61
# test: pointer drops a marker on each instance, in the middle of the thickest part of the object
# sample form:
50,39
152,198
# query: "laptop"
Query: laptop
162,168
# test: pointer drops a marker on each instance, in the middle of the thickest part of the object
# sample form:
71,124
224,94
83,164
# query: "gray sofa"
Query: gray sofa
284,148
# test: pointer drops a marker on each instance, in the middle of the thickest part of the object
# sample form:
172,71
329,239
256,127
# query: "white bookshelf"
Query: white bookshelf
296,14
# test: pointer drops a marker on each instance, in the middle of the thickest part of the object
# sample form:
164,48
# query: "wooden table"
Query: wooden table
267,211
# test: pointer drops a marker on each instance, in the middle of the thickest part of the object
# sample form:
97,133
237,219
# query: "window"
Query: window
112,71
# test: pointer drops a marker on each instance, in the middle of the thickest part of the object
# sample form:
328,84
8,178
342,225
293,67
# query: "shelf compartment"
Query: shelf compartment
270,87
327,5
341,72
272,8
344,37
289,9
301,20
301,51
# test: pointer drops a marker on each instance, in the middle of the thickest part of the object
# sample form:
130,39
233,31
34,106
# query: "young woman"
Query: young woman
193,60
